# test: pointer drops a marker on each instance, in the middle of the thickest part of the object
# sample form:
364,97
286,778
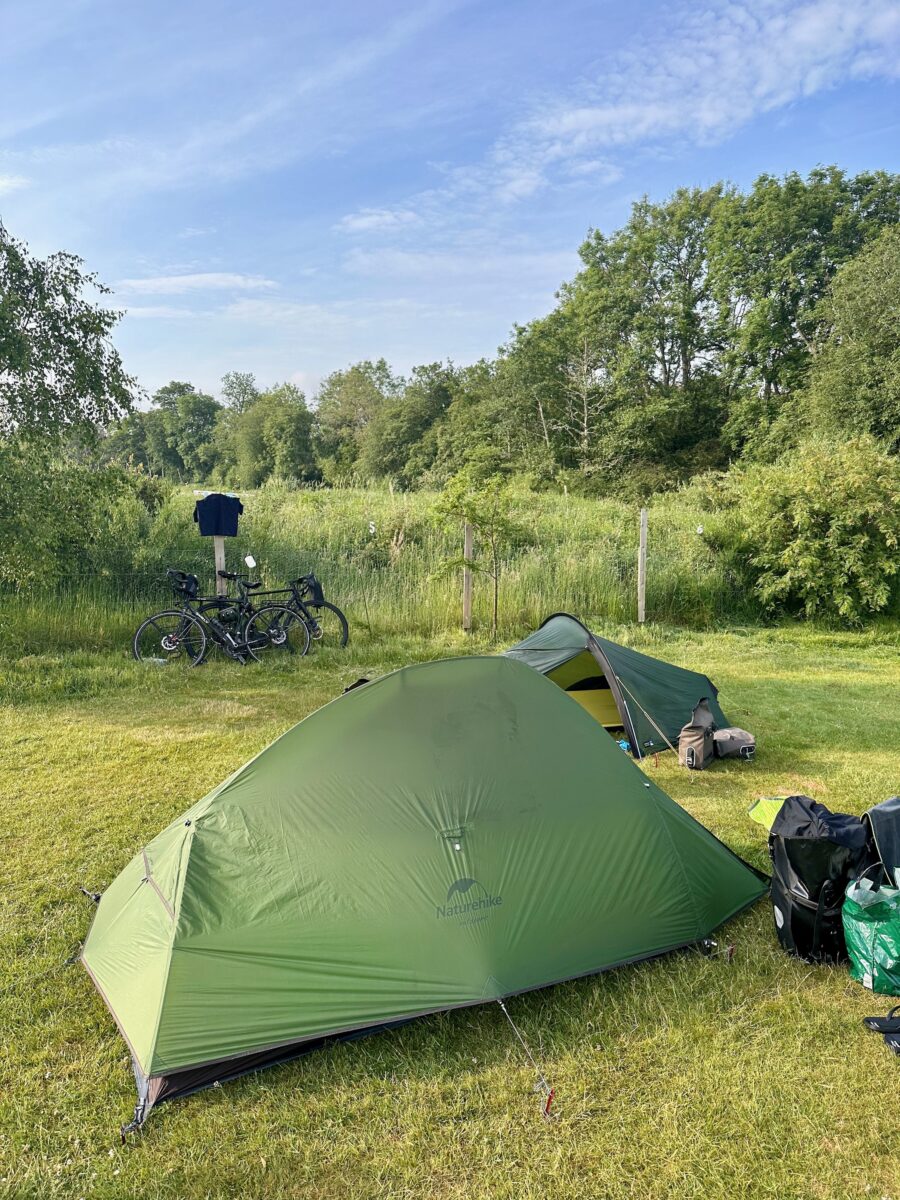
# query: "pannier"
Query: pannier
815,854
734,743
695,742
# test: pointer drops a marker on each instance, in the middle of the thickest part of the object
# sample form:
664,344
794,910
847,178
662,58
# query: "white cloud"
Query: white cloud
714,70
145,312
367,220
173,285
703,74
12,183
472,265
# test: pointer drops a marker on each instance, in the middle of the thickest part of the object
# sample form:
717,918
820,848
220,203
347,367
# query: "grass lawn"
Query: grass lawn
685,1077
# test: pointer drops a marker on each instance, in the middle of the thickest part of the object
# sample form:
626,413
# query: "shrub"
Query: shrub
817,531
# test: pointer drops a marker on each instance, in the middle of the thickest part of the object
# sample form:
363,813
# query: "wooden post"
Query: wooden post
642,570
468,552
219,554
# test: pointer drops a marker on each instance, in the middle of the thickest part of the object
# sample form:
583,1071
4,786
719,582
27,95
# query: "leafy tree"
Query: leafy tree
774,255
393,442
272,438
59,371
239,390
854,381
346,404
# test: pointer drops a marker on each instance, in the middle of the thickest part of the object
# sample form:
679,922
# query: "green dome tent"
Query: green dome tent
453,833
621,688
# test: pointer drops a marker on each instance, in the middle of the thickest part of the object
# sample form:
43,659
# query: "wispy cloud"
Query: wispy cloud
156,312
12,183
367,220
474,265
205,281
713,70
697,80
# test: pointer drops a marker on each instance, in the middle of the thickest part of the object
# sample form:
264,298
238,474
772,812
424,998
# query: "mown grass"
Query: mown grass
685,1077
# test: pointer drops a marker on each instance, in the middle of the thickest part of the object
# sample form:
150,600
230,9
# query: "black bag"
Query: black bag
815,854
695,742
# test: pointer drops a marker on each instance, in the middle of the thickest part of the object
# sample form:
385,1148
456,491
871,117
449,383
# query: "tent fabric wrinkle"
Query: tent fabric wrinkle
453,833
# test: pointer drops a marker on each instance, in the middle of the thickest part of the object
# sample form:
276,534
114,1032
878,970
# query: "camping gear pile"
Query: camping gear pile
836,892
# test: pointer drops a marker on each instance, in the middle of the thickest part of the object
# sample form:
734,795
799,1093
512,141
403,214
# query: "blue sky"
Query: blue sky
286,188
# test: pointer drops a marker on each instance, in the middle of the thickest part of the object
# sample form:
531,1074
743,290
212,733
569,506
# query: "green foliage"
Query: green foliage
485,503
271,438
239,389
818,531
347,403
775,253
66,523
854,383
59,371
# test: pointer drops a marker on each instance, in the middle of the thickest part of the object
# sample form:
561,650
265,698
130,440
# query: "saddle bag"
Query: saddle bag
734,743
695,742
815,854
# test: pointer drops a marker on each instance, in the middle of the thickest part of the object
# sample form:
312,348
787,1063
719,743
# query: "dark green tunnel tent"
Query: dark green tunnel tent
450,834
650,700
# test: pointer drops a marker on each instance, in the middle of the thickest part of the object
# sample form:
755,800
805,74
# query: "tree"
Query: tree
272,438
59,372
485,503
347,402
239,390
854,383
774,255
392,443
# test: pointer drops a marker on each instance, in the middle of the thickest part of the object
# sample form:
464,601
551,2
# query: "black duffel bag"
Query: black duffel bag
815,854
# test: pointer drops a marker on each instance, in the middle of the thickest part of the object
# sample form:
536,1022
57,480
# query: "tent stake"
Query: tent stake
542,1084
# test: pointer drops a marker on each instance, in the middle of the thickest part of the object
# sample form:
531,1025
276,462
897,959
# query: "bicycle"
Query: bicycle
188,633
326,623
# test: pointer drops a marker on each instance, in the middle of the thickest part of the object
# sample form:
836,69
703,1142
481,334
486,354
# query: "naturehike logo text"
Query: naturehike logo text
459,904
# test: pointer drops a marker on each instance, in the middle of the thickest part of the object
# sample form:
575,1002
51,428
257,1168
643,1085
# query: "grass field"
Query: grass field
685,1077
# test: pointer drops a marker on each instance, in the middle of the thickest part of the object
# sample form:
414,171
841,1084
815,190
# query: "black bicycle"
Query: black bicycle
304,596
326,623
187,633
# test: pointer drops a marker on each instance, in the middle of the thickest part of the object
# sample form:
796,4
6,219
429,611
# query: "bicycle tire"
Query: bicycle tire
169,634
326,638
276,628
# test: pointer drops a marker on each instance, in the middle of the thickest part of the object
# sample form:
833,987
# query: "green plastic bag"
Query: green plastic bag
871,916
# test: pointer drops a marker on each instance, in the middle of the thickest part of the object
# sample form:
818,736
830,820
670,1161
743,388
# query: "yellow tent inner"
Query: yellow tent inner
583,679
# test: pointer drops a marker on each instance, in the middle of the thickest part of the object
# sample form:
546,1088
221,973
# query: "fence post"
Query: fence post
468,552
219,555
642,570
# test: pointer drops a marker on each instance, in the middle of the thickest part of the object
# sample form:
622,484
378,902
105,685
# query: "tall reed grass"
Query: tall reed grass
383,558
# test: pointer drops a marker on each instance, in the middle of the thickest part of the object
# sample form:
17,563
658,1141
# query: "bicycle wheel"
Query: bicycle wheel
168,636
330,626
276,629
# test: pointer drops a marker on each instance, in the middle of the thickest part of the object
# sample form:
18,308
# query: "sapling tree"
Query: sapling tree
485,503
